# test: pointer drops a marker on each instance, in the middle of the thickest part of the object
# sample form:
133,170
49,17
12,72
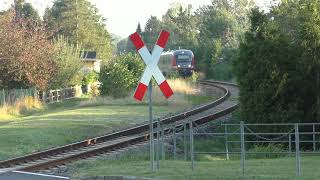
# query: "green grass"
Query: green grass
46,130
67,122
262,169
194,100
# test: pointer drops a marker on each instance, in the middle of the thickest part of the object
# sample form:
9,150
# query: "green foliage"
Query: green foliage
182,24
68,64
25,10
26,56
278,65
80,22
90,78
151,31
212,32
121,75
195,77
267,151
221,25
221,71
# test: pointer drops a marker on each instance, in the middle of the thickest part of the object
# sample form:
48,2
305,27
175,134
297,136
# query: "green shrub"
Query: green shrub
121,75
68,64
222,72
90,78
272,151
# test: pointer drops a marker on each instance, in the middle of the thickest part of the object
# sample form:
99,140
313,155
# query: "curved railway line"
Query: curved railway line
122,139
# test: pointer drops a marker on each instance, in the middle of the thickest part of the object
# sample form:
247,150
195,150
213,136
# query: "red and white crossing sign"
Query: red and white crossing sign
151,61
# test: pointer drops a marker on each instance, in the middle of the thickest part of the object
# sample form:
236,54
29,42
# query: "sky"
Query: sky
123,16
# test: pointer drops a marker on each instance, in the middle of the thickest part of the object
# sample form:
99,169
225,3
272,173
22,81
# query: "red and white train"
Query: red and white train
181,61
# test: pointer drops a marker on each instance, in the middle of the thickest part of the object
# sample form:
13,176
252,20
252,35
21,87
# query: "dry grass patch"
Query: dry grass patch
180,88
23,106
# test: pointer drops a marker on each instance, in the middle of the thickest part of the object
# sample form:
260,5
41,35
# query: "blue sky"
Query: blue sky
123,15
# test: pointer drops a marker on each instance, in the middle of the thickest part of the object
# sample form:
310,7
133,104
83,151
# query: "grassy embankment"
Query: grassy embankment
256,169
207,166
81,118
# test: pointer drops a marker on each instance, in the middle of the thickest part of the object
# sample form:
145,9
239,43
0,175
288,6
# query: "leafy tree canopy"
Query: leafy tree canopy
79,21
26,56
278,65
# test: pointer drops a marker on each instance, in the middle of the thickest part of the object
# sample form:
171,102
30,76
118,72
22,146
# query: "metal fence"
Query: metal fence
13,95
10,97
57,95
292,140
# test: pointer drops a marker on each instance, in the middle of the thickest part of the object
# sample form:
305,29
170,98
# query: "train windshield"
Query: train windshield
183,58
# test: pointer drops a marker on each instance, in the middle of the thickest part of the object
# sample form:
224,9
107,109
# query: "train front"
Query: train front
185,62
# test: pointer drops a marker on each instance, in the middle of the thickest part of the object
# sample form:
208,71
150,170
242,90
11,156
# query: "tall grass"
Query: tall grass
180,88
23,106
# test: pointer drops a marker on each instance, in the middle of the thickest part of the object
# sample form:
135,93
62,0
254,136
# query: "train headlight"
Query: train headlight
178,66
189,65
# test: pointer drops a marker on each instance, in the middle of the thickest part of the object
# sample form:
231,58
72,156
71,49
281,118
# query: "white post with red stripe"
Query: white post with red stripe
152,69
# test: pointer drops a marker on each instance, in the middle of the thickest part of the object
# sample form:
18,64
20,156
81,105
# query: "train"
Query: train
177,61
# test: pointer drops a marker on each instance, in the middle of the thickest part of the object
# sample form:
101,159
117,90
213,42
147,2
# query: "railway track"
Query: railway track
118,140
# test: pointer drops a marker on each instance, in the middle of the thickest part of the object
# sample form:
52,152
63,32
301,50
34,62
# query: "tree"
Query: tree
68,64
122,46
26,56
139,30
79,21
151,31
185,29
221,23
121,75
25,10
278,65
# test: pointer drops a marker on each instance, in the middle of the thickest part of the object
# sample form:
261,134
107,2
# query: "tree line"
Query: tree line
44,52
273,55
212,32
278,64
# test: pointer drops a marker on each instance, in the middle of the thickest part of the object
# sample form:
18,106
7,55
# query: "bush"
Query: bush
271,150
66,57
222,72
121,75
90,78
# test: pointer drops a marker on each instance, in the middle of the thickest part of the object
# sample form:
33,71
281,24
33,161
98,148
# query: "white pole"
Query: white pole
151,127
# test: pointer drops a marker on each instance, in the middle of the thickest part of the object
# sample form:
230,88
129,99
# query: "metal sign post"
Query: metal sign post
152,70
151,126
158,143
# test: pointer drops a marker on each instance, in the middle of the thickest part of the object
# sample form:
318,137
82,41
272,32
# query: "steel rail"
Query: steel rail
127,132
125,143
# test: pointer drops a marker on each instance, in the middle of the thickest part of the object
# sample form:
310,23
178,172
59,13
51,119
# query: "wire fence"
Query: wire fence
241,142
10,97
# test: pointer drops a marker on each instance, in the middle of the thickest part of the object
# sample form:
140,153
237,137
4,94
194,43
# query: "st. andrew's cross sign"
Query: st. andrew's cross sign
151,61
